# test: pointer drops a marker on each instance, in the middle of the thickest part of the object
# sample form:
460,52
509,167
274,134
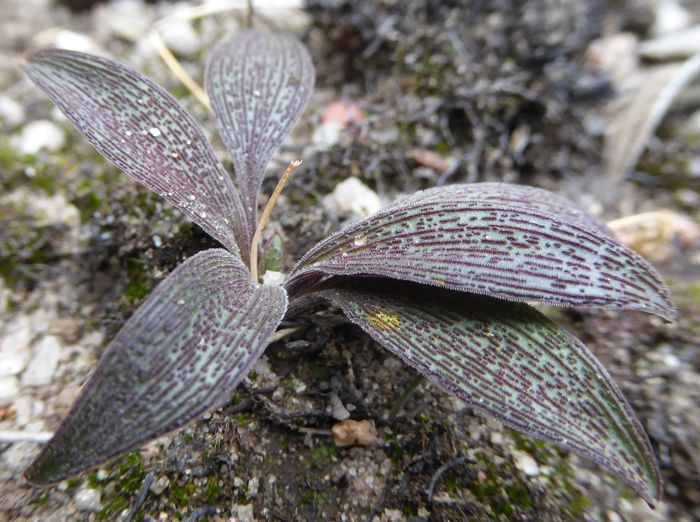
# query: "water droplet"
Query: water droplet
155,132
203,214
180,301
189,142
191,197
128,133
487,236
174,155
256,93
360,240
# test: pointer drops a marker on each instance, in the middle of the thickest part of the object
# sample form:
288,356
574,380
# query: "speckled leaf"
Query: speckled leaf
258,84
507,360
145,132
180,354
493,239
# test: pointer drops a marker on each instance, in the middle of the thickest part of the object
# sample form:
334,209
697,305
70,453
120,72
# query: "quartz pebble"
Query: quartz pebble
43,365
87,499
11,112
352,197
40,135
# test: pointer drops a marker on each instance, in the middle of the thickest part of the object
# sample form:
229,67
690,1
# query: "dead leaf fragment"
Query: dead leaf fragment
631,127
351,432
656,235
430,159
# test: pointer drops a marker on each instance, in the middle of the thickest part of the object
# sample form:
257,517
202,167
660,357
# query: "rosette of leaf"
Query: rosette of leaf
440,278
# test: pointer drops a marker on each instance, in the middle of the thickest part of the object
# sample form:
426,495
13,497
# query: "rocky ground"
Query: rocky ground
435,92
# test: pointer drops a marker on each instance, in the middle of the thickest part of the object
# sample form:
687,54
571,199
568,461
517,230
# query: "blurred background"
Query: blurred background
596,100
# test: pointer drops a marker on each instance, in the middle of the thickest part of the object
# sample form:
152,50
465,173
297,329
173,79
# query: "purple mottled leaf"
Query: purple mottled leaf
180,354
491,239
258,84
507,360
145,132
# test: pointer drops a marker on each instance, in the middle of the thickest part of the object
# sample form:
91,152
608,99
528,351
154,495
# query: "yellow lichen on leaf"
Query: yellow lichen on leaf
385,321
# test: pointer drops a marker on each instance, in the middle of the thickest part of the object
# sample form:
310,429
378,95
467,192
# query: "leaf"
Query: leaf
509,361
181,354
258,84
489,239
143,130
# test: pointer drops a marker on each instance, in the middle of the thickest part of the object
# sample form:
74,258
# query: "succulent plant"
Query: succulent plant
440,278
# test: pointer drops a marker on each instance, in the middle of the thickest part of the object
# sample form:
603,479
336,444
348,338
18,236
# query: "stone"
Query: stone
11,112
9,387
87,499
12,363
127,19
180,37
76,42
18,456
526,463
351,196
340,412
40,135
159,485
670,17
243,513
43,365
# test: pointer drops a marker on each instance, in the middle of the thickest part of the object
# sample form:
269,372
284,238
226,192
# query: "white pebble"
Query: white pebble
352,197
87,499
9,387
181,38
43,365
38,135
11,112
526,463
12,363
76,42
243,512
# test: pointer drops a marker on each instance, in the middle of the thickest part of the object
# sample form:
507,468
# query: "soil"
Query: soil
501,90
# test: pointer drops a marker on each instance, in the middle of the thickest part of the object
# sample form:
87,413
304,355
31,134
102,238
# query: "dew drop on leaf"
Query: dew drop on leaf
155,132
360,240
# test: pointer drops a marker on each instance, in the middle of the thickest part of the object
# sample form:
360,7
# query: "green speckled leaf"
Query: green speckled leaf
495,239
509,361
180,355
258,84
143,130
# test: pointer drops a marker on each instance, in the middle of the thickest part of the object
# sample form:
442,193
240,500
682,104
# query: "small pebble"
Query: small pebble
87,499
243,513
351,432
43,365
526,463
11,112
40,135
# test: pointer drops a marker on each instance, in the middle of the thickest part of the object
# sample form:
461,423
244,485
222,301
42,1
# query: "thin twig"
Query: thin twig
39,437
140,499
405,395
264,218
441,471
249,15
177,69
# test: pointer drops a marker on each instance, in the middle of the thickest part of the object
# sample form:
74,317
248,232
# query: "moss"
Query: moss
128,478
323,453
139,281
212,491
